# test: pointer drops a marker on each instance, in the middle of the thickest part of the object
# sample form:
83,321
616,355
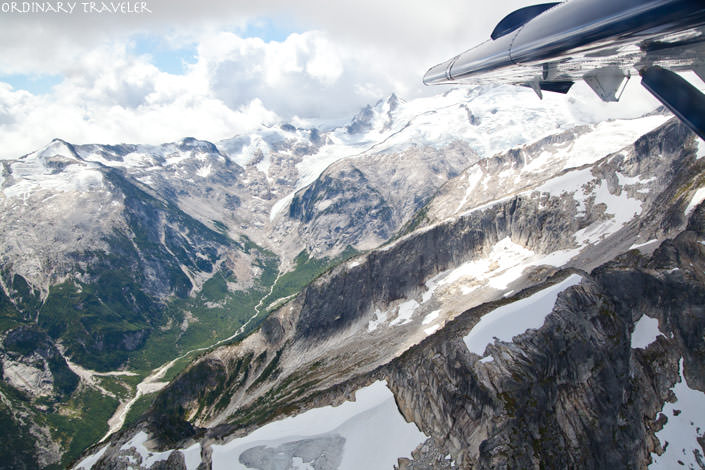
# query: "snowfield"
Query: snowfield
506,322
367,433
374,435
686,423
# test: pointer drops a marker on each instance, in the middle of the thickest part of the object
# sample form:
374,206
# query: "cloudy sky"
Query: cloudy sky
214,69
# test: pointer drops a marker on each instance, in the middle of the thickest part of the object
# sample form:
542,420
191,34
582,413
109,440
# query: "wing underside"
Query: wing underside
605,53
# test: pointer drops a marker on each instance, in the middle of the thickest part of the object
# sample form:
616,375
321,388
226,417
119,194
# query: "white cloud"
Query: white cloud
121,98
348,55
415,31
307,75
111,95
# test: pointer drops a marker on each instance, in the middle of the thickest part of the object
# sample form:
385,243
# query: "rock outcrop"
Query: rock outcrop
574,393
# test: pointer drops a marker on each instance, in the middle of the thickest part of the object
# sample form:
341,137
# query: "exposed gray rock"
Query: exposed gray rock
573,394
362,202
272,330
174,462
362,121
427,456
33,364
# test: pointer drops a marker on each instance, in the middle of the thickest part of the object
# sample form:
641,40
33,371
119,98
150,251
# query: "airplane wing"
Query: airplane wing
550,46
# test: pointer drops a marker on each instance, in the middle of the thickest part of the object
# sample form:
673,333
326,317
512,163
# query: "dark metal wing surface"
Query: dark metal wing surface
604,42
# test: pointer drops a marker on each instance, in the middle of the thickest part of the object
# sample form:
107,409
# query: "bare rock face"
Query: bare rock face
33,364
130,458
363,201
575,393
174,462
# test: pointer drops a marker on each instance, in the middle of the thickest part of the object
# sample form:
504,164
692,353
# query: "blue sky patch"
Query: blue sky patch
269,29
163,55
35,84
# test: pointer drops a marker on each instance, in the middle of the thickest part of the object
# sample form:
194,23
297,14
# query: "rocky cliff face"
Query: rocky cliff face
587,386
119,258
363,202
579,392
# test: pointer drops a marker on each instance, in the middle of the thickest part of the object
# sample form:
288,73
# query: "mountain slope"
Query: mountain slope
121,258
105,245
103,271
122,263
400,314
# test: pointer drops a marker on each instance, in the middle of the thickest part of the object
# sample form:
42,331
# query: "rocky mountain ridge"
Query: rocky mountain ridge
401,313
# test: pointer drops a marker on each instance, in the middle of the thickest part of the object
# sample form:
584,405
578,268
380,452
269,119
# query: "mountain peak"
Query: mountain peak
193,144
56,148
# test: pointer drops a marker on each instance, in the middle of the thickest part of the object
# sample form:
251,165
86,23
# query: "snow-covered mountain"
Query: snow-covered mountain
246,183
436,314
309,262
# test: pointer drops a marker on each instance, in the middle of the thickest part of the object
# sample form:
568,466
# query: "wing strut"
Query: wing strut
682,98
608,82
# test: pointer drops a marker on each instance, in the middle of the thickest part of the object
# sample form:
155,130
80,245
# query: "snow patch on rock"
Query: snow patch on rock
508,321
406,311
645,332
697,198
686,423
374,432
379,318
88,462
505,263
